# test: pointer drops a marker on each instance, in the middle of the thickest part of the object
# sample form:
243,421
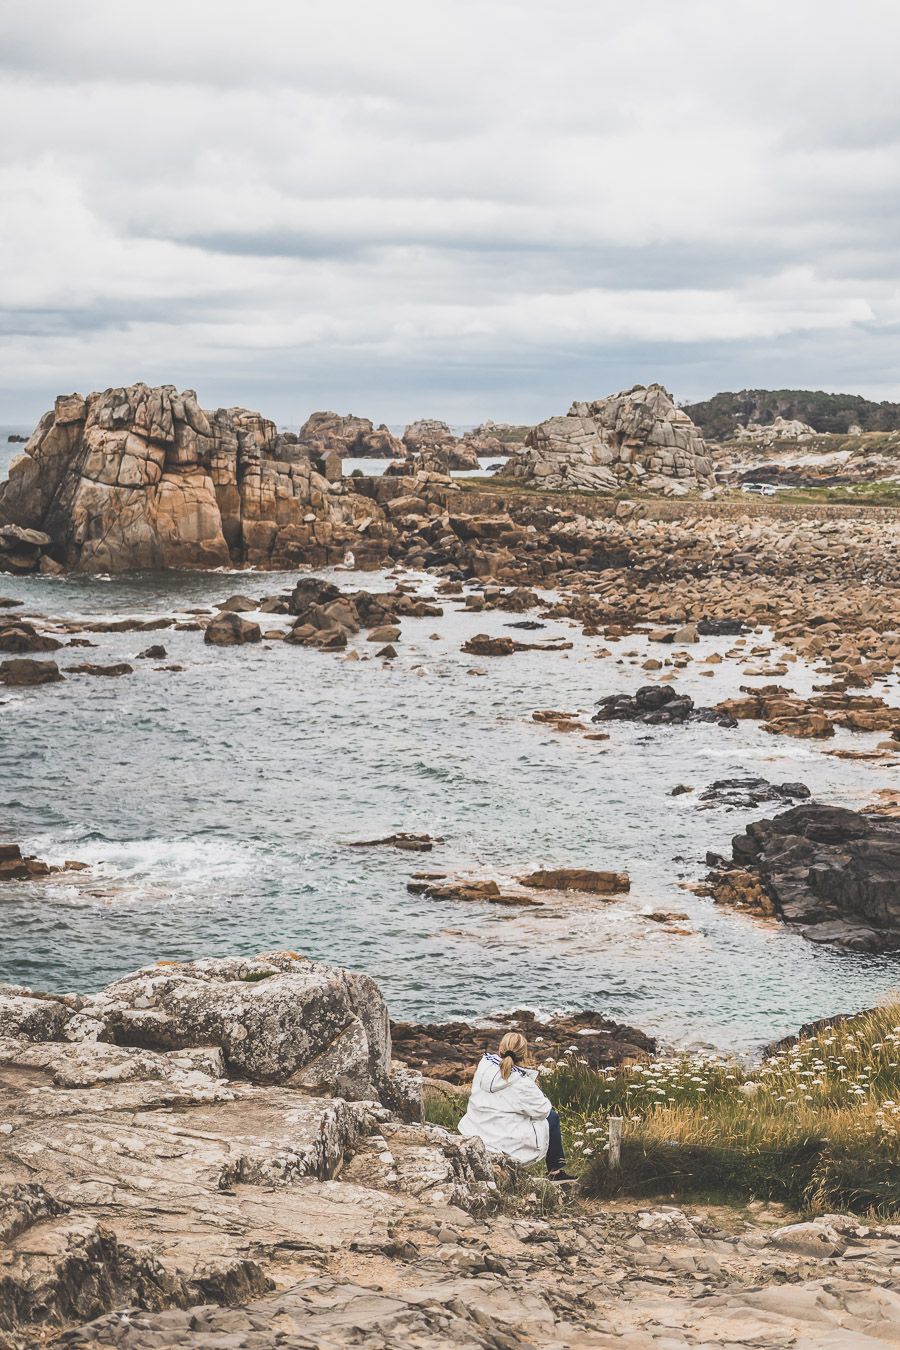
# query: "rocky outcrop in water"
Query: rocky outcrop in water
437,449
143,477
657,705
21,671
15,866
831,873
744,793
325,433
636,439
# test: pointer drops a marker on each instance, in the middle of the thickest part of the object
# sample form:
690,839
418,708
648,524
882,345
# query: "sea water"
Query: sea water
216,805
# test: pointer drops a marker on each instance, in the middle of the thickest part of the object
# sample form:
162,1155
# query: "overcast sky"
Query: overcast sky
458,208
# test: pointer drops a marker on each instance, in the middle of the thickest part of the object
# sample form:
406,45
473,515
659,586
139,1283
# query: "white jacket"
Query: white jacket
510,1115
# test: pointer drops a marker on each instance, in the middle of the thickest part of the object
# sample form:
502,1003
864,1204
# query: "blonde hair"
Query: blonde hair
513,1049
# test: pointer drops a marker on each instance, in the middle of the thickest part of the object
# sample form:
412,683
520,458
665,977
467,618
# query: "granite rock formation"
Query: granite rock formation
832,873
437,449
154,1198
277,1019
325,432
635,439
145,478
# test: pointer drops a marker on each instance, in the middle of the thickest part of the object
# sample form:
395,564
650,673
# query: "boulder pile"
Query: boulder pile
325,433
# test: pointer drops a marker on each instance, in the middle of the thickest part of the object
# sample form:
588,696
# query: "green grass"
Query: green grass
882,492
816,1127
445,1106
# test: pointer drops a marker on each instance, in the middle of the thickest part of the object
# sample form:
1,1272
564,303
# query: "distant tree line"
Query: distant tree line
718,416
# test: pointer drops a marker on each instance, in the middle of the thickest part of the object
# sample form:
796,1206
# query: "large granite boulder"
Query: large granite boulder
436,449
832,873
278,1019
230,630
328,432
144,478
636,439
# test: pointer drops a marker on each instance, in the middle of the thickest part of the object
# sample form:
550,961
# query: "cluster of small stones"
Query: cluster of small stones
635,439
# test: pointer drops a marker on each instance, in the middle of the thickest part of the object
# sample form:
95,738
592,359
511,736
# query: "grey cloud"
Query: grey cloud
465,209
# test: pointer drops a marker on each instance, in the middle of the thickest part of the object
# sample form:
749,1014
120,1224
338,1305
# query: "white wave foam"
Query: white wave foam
164,863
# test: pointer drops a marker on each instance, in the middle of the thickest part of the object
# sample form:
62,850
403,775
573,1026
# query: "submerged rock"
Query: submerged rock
408,843
90,668
479,891
578,879
23,672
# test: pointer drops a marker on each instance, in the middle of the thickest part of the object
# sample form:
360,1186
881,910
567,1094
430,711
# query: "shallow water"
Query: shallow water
215,806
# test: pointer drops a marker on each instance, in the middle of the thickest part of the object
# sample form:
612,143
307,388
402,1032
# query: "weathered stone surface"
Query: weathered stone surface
143,477
139,1176
637,439
146,1201
326,432
230,630
832,873
23,672
278,1019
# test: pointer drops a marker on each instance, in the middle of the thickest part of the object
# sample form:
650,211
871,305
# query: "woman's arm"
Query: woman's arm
532,1101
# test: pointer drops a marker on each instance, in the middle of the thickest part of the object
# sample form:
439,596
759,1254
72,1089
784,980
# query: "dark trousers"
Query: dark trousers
555,1155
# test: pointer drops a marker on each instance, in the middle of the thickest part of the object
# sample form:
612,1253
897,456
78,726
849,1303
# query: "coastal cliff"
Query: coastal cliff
143,477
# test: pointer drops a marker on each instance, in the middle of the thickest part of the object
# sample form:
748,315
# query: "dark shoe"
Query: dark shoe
561,1176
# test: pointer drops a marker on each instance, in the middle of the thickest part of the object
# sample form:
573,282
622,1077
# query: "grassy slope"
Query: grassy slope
816,1127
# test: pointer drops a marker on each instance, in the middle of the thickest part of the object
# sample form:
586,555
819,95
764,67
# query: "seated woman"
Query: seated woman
508,1111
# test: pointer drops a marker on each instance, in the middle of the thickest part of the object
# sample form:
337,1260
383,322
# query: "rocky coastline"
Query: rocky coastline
233,1151
225,1152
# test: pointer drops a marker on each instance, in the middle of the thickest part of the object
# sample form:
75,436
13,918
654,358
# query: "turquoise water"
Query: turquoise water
215,806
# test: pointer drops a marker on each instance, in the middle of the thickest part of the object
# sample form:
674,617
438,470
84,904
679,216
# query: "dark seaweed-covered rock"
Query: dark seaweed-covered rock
450,1050
657,705
832,873
747,792
720,627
